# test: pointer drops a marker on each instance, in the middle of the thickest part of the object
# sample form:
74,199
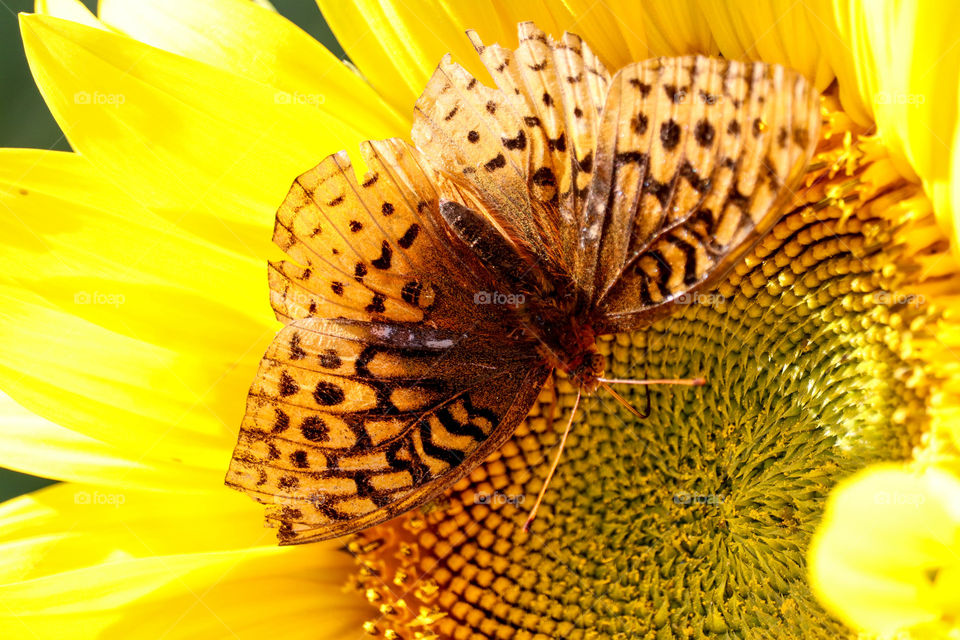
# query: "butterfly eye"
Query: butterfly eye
597,364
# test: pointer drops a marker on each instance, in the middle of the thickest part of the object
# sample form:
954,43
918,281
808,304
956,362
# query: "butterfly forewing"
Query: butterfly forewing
696,158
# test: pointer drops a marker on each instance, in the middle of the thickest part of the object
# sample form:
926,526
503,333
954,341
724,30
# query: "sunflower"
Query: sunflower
811,490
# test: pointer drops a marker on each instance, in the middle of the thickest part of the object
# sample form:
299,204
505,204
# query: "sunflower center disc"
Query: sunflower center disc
695,521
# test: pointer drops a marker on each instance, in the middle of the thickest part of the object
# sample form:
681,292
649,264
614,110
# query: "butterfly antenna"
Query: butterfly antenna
606,382
553,467
687,382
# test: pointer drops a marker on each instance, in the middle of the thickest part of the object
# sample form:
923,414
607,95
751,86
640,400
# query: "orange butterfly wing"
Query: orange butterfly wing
696,159
632,191
350,423
605,199
389,381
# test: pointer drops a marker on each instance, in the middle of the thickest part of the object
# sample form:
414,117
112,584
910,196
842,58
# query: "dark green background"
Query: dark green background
25,121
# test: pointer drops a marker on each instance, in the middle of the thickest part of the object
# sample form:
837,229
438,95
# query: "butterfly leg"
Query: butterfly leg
553,467
551,413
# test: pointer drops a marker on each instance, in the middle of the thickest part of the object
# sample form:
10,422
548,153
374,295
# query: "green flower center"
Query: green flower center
695,521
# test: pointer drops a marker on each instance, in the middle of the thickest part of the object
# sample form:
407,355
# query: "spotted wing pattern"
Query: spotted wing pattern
351,423
696,158
359,248
527,146
599,200
389,380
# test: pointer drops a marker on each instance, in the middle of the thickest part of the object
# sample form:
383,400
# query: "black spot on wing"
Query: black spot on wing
329,359
288,386
281,422
409,236
496,163
376,305
314,429
327,394
296,351
517,143
670,134
704,133
386,256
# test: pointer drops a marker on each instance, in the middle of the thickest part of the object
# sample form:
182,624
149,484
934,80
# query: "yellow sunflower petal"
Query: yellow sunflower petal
73,10
84,561
623,31
80,242
398,45
120,326
197,143
75,525
905,69
238,36
888,549
783,32
149,401
35,445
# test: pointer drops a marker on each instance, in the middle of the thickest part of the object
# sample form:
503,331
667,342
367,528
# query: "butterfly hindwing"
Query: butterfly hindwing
351,423
696,158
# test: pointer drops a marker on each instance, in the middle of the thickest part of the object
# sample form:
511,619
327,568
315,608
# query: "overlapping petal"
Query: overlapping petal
68,234
35,445
73,10
119,325
96,562
259,44
203,147
398,45
906,62
146,400
887,557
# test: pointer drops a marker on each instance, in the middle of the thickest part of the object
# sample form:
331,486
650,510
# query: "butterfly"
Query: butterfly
427,302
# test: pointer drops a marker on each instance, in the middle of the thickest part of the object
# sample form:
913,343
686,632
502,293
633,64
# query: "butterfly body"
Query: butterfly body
567,344
427,302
